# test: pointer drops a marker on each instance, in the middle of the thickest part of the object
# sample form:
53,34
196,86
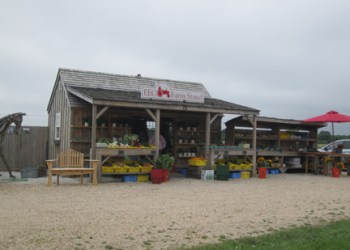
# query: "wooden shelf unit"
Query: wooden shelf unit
80,133
281,138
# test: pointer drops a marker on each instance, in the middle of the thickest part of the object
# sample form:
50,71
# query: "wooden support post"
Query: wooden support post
49,172
254,146
93,132
207,135
157,131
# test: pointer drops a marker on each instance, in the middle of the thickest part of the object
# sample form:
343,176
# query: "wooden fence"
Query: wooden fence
29,148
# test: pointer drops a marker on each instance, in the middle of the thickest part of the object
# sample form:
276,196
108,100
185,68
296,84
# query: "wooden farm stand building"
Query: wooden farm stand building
111,105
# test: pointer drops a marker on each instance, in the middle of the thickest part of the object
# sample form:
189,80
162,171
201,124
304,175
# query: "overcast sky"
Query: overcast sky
287,58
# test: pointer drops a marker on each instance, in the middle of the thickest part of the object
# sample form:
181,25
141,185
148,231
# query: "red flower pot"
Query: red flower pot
262,173
335,172
165,176
156,175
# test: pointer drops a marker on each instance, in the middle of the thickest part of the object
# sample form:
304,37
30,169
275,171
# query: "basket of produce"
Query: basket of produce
197,161
107,169
233,166
120,167
247,166
146,168
134,169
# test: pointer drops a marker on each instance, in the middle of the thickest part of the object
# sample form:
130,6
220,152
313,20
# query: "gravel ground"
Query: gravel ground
181,212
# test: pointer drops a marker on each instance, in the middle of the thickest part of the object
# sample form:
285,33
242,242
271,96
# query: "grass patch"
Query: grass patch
335,235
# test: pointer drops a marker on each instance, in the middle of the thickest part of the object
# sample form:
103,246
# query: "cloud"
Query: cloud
289,59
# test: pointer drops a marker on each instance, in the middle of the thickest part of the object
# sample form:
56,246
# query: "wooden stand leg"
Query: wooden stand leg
49,176
81,179
58,179
94,173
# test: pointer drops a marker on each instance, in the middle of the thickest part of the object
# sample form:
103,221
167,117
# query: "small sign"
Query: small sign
162,91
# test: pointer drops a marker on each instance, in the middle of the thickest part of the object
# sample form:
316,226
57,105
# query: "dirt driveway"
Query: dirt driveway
181,212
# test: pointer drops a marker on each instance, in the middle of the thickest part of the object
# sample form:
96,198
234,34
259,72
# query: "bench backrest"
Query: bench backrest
70,158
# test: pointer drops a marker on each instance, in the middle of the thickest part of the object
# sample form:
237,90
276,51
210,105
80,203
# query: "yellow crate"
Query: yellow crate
233,167
120,170
245,174
284,136
106,169
142,178
145,169
198,163
133,169
247,166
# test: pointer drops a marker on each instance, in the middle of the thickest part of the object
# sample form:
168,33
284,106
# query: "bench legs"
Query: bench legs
49,176
74,172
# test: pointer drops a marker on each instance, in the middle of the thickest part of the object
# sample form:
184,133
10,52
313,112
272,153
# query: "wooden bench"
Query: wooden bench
71,163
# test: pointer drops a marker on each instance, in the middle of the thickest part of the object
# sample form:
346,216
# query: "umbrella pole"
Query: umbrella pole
333,136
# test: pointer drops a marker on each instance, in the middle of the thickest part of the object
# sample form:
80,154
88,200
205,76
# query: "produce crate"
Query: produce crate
245,174
133,169
235,175
273,171
120,169
182,171
146,169
197,162
143,178
234,167
247,166
107,169
130,178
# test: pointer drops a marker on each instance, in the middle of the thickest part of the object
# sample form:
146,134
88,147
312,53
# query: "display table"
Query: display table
317,158
103,154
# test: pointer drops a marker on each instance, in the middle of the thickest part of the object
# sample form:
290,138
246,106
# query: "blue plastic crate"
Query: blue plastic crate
235,175
273,171
183,171
130,178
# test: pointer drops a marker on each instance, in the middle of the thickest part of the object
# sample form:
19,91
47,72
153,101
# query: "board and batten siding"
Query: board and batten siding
60,105
27,149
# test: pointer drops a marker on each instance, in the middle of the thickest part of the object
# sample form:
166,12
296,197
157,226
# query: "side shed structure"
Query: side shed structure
110,105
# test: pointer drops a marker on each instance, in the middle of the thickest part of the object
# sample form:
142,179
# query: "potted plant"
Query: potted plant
163,163
336,170
262,164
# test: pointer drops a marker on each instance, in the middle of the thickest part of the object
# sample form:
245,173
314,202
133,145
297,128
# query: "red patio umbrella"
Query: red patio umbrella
331,116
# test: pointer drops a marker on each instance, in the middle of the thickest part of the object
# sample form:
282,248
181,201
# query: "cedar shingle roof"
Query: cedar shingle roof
95,87
135,97
100,80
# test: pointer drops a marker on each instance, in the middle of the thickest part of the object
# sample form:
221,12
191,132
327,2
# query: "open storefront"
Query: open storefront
181,118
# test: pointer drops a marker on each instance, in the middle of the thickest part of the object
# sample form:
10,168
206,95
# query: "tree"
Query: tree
324,136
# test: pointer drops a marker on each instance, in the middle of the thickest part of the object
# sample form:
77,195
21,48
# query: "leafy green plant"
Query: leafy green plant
165,161
132,139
